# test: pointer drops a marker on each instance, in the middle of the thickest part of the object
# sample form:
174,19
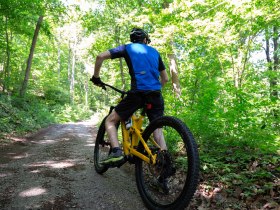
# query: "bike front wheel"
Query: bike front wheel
172,181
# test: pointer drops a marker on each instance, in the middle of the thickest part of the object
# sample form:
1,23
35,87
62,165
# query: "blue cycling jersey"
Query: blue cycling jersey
144,64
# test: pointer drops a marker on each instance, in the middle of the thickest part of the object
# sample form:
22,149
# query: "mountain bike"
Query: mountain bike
165,179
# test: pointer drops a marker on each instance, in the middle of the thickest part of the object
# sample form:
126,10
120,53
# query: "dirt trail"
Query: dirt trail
53,169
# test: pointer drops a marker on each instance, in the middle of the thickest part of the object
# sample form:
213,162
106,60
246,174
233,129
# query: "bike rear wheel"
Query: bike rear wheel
102,148
179,187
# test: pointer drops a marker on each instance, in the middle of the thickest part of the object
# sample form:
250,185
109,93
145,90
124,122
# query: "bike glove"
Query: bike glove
96,80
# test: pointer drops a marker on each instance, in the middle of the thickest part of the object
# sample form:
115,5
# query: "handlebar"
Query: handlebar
104,85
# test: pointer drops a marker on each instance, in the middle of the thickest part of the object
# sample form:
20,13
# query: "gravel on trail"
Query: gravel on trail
53,169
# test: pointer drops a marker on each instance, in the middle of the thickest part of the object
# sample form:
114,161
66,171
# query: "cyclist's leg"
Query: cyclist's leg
116,155
168,169
110,125
156,111
159,138
122,111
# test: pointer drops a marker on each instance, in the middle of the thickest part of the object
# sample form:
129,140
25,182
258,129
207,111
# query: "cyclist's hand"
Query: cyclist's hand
97,81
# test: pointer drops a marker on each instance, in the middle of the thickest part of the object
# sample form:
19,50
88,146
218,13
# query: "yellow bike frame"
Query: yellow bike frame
133,136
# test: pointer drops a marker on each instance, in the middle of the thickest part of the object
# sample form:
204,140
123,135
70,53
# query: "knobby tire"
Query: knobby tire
183,183
101,148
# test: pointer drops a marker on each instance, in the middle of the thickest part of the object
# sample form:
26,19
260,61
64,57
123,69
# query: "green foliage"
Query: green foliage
68,113
56,96
23,115
18,115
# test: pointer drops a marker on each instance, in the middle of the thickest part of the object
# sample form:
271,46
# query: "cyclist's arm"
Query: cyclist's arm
98,62
163,77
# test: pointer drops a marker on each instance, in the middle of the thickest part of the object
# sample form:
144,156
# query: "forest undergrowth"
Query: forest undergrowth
19,116
238,176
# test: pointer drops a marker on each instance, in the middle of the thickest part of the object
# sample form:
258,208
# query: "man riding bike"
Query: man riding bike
148,76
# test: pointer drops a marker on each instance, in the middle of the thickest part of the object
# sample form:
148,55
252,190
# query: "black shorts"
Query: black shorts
137,100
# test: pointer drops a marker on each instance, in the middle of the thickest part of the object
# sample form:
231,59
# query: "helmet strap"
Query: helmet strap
145,41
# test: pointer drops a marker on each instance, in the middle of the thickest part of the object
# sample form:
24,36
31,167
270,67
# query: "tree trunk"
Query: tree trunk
72,71
69,62
29,61
174,75
72,78
117,35
86,92
58,58
272,64
7,64
273,82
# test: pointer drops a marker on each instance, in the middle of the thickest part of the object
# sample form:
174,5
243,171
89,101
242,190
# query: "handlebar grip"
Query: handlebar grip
102,85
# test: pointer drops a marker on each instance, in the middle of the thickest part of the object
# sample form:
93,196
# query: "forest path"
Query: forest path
53,169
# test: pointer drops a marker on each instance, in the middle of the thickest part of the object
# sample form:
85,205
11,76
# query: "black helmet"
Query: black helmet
138,35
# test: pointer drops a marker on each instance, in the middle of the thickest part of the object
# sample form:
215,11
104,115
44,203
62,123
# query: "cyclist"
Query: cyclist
148,76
